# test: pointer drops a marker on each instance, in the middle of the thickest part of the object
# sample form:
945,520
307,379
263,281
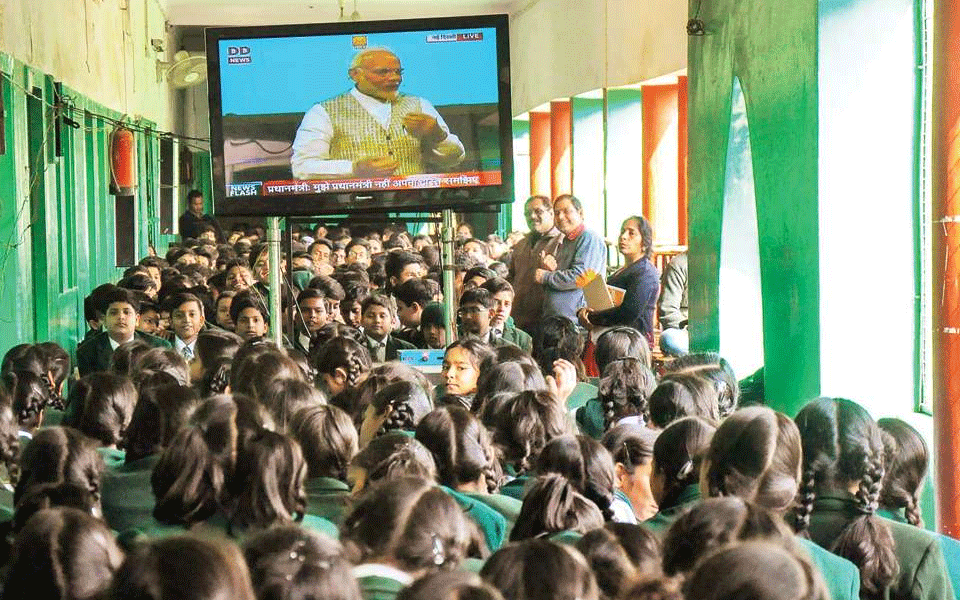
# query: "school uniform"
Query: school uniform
508,507
661,522
386,350
516,487
590,420
328,498
841,576
949,545
112,457
923,571
94,353
491,523
517,337
380,582
581,393
127,496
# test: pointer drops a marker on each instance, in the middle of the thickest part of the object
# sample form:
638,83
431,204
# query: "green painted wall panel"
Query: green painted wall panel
771,47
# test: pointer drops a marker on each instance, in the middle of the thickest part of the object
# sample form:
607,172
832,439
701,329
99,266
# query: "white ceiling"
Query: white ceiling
274,12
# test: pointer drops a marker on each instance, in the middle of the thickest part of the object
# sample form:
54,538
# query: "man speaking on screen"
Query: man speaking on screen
373,130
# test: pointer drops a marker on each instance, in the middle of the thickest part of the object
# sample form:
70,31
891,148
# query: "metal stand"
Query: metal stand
273,249
447,233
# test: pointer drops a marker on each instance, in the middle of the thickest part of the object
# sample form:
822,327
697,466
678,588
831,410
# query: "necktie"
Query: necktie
187,353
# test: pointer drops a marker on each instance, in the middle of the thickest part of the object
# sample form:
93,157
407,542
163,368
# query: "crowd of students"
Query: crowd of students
194,459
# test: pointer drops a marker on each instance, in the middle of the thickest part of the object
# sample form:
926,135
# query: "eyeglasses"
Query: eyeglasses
385,72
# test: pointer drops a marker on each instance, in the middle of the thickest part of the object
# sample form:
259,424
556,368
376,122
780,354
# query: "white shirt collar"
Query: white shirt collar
114,344
179,344
379,570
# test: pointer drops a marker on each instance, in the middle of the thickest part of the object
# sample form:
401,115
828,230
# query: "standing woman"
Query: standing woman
638,278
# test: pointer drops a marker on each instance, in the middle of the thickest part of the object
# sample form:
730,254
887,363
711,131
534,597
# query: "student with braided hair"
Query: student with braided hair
101,406
589,467
621,398
397,407
755,455
839,494
29,395
905,453
676,468
341,364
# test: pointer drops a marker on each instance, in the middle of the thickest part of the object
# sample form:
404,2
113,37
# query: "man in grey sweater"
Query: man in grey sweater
580,251
672,307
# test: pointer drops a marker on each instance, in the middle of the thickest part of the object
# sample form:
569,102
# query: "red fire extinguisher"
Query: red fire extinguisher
122,162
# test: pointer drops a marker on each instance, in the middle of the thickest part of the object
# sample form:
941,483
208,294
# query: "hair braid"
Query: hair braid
805,498
609,413
399,417
868,493
54,400
354,370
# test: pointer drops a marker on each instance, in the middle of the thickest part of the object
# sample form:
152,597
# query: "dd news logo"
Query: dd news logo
238,55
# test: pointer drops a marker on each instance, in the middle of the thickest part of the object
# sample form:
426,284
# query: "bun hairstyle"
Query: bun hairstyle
126,356
682,395
216,378
552,504
624,388
906,459
755,454
401,405
328,440
586,464
183,567
524,424
410,522
621,342
253,376
59,455
755,570
460,446
540,570
268,482
618,553
292,563
677,453
716,522
101,407
842,445
53,495
62,553
190,479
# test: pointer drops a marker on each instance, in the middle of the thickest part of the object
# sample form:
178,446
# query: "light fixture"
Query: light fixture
355,15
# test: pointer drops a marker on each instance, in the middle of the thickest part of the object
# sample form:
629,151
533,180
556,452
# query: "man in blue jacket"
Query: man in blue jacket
580,251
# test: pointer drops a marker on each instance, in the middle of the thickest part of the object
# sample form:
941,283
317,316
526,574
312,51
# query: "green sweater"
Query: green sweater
492,524
507,506
661,522
841,576
590,419
581,393
328,498
380,582
923,571
949,545
127,496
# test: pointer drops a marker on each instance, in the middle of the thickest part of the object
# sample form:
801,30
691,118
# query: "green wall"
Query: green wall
57,229
772,48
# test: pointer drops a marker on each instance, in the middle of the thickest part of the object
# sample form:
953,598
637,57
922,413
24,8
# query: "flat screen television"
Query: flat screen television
347,117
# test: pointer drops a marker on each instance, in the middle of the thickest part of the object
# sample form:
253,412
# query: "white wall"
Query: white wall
866,113
100,48
562,48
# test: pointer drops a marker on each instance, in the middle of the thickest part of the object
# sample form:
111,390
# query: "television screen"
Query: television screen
406,116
